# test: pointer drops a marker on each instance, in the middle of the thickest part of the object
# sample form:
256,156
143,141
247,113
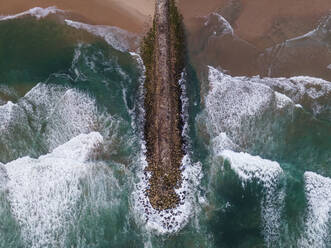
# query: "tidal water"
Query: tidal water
257,171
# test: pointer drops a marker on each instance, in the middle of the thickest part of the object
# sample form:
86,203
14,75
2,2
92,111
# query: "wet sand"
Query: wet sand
263,22
260,22
257,24
131,15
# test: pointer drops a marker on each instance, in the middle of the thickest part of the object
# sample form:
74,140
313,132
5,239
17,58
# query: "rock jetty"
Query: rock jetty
163,52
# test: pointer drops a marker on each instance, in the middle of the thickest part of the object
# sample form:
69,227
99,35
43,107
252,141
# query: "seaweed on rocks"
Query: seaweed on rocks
164,55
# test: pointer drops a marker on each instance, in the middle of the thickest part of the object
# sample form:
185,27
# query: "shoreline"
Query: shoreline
239,54
258,22
132,16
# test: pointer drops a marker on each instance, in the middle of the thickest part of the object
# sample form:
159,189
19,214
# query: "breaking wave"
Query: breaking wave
72,149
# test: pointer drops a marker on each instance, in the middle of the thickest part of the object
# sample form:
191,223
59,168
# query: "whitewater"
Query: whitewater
72,151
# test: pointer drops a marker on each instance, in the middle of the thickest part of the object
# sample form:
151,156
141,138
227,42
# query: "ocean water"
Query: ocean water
256,174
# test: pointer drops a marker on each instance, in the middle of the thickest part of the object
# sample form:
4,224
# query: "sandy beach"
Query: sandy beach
131,15
262,23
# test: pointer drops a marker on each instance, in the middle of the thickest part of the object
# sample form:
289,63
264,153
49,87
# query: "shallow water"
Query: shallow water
72,151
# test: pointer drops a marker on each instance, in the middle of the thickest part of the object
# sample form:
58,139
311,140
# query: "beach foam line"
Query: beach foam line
218,24
37,12
118,38
323,28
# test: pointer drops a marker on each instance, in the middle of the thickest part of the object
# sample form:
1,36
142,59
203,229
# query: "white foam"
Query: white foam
255,112
318,34
116,37
46,117
329,67
223,142
312,93
81,148
6,114
236,106
3,177
184,111
36,12
43,192
311,87
138,115
310,34
318,219
249,167
15,134
173,220
268,174
66,112
230,100
282,101
222,25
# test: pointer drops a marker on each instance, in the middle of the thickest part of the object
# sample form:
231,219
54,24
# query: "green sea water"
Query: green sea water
59,188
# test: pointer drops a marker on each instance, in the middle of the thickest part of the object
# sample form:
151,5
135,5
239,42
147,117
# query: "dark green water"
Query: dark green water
58,82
